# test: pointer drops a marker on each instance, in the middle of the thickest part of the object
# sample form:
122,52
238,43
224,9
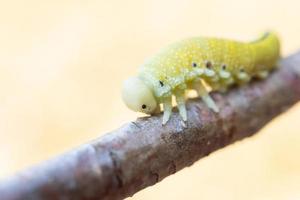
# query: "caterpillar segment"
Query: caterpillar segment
194,64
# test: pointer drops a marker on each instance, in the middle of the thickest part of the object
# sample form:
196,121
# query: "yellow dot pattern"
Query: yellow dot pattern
182,62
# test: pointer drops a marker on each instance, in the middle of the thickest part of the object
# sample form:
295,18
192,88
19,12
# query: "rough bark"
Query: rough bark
144,152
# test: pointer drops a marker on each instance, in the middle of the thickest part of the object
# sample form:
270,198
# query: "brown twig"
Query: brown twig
144,152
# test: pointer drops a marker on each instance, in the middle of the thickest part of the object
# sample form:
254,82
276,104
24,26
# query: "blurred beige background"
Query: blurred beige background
62,63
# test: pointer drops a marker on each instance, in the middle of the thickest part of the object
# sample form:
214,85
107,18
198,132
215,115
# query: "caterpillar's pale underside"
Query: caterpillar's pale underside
196,63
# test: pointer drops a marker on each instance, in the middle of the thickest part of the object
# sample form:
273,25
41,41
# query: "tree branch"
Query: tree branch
144,152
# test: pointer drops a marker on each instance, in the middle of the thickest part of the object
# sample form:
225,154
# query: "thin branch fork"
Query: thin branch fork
144,152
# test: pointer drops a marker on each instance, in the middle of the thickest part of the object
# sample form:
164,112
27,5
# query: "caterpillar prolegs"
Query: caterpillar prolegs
193,63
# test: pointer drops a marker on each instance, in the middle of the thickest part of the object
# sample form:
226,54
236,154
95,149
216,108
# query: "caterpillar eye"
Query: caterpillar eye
194,64
144,106
224,67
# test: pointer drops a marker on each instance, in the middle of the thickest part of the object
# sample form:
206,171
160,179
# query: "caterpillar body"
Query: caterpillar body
196,63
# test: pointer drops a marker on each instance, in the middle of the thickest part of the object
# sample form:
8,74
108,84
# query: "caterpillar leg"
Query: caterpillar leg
180,99
202,92
224,74
243,77
167,106
263,74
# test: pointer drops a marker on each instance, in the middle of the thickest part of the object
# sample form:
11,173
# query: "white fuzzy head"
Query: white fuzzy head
138,96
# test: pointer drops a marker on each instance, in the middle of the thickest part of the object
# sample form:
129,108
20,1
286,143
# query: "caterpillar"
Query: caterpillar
198,63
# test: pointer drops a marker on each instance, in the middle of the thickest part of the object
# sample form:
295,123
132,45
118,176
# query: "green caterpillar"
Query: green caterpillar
196,63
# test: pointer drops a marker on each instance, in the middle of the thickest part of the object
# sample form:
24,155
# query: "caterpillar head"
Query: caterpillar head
138,96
